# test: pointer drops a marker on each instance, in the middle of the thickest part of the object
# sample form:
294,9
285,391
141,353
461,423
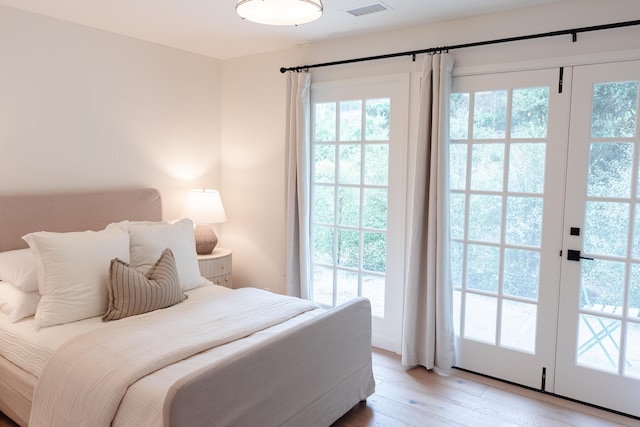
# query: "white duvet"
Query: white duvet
84,381
143,402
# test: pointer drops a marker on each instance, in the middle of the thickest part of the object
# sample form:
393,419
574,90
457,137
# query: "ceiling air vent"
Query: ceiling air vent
369,9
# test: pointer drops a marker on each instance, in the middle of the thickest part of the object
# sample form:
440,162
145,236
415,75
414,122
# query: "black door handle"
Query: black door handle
573,255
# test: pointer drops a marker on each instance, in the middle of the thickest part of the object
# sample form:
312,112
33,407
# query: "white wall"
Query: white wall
253,105
82,108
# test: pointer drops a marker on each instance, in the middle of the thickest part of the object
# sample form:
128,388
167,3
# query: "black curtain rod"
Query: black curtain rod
573,32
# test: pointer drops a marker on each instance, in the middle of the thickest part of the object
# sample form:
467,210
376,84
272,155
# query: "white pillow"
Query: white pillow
148,240
19,268
73,269
17,304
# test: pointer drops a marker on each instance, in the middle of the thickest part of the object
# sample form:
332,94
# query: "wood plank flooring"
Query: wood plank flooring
416,397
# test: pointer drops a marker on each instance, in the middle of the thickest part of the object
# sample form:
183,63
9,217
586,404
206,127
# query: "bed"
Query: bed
215,357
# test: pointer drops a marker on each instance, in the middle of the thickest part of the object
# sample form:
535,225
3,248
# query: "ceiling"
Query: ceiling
212,28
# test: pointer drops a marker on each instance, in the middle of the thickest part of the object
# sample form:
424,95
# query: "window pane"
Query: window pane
324,169
348,245
349,206
487,167
527,167
530,112
632,367
521,273
375,208
374,250
593,351
606,227
602,285
323,204
459,116
480,318
351,121
490,115
456,215
323,245
323,285
456,263
634,292
614,112
347,286
483,263
325,122
485,213
458,166
373,288
377,121
524,221
376,164
519,325
610,169
350,161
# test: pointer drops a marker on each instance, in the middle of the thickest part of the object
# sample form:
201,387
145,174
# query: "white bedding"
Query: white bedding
143,404
29,348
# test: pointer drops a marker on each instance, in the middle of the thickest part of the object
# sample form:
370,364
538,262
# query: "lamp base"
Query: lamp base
206,239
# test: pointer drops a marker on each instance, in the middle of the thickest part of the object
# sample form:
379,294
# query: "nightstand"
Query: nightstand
217,266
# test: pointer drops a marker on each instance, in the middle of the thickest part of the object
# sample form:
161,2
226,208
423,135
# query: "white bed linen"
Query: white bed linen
30,348
87,377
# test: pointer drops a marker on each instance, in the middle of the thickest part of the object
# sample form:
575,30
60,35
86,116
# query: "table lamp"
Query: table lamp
204,208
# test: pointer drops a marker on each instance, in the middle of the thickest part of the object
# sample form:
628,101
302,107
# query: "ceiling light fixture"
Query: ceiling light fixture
280,12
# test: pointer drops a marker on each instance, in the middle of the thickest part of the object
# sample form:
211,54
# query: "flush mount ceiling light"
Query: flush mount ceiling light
279,12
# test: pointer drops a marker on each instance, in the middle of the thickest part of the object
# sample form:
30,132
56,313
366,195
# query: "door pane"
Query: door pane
480,318
490,115
610,169
524,159
615,107
521,273
524,221
351,120
602,285
519,326
485,213
606,226
599,342
530,112
487,167
483,267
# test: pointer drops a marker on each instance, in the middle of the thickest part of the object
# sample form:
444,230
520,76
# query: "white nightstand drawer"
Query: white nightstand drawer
217,266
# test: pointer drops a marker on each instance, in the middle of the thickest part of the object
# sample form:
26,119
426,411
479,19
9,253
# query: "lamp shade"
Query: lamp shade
279,12
204,207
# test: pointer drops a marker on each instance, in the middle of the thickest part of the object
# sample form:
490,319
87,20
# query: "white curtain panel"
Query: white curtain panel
428,334
298,152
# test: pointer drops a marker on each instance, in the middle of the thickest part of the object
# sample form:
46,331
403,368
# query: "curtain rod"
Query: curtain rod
573,32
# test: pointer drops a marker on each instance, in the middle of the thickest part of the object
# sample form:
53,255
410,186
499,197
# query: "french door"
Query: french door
599,325
546,230
358,180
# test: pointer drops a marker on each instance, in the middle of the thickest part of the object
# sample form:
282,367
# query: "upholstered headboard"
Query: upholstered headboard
73,211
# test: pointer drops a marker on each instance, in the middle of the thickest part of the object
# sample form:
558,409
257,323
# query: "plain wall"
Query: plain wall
82,108
253,103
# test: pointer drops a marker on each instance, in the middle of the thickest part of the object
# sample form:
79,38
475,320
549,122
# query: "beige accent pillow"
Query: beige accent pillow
133,292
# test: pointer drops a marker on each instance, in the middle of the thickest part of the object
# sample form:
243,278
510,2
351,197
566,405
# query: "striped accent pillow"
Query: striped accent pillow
133,292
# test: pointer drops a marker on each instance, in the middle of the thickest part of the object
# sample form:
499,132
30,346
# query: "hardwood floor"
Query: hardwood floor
417,397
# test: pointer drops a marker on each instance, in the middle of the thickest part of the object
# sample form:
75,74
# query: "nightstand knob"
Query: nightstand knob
226,279
222,267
